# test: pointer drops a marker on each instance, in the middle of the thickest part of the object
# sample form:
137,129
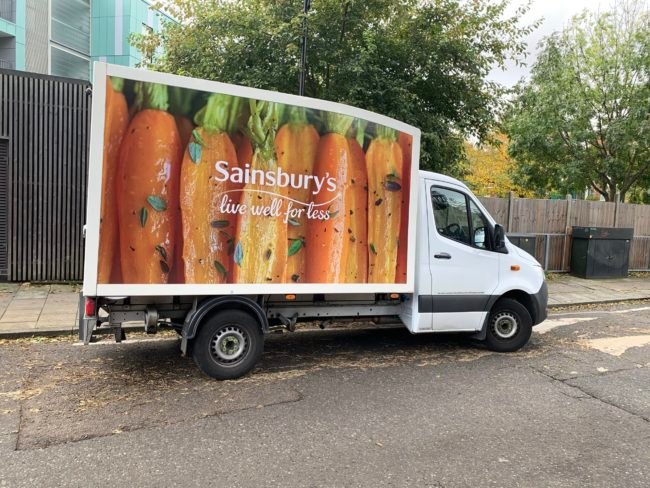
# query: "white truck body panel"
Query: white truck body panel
91,286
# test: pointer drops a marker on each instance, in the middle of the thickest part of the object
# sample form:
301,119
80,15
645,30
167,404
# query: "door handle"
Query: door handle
442,255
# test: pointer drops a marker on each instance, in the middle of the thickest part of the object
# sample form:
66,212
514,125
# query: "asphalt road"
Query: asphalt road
337,408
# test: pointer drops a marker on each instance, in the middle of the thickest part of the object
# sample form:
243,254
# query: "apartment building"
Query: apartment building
63,37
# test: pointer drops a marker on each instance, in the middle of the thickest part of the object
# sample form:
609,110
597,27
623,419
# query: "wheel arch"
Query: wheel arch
518,295
209,306
522,297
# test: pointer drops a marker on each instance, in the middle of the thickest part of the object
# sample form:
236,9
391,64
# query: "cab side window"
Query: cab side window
450,214
457,217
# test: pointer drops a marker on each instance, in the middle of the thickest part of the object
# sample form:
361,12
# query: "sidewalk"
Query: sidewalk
28,309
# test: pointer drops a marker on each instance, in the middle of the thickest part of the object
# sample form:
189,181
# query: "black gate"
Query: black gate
4,209
44,129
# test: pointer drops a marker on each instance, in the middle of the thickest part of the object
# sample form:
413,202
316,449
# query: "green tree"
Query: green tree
424,62
584,117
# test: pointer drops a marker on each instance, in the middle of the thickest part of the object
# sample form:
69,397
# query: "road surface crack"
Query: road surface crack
587,394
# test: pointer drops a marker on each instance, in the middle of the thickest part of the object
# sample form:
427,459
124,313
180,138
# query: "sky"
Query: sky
556,14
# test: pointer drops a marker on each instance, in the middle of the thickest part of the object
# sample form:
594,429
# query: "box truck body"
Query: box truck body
226,211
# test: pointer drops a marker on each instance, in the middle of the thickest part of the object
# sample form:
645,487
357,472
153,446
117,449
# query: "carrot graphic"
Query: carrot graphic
243,147
357,206
116,121
327,240
384,163
405,142
180,105
209,233
148,174
261,246
295,147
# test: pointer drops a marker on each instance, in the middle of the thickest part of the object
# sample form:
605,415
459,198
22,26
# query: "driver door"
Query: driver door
464,269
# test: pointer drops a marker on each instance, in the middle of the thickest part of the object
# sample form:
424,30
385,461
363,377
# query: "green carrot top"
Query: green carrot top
180,101
361,131
117,84
384,132
151,96
262,127
337,123
220,114
297,115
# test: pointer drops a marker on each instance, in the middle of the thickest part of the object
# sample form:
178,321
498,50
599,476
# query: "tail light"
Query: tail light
90,307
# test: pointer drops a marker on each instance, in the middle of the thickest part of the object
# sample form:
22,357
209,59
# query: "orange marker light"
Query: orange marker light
394,296
290,297
515,267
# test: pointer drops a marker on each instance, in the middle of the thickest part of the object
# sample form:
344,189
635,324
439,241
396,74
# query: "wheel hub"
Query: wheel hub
505,325
229,344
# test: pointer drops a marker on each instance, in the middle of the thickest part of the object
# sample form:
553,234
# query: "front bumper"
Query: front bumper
540,301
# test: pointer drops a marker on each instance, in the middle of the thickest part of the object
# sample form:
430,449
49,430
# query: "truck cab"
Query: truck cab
469,277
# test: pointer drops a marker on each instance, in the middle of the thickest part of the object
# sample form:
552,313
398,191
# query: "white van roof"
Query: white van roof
430,175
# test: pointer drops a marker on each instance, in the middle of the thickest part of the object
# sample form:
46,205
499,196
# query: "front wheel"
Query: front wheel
228,345
509,326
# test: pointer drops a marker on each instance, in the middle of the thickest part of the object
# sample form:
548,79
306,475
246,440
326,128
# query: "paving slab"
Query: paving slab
18,316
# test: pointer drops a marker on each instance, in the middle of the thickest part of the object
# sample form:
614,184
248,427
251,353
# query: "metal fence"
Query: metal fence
44,122
549,223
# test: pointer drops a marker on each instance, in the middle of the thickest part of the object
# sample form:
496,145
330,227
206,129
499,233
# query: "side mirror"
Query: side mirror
499,239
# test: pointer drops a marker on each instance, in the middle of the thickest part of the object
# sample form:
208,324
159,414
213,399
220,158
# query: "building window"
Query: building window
68,64
8,10
71,24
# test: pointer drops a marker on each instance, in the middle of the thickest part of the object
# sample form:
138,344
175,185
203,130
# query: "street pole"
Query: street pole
303,50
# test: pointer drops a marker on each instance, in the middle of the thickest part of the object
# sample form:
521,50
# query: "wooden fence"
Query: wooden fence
551,221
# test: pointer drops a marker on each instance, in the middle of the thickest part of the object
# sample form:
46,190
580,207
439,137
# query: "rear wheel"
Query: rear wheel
228,345
509,326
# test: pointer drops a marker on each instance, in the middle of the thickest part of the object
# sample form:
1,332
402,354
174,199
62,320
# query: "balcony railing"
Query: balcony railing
8,10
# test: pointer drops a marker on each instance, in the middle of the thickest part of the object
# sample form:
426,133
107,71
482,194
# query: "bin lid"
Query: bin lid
611,233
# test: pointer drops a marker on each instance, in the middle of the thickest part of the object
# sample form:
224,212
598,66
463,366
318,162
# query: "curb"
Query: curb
599,302
21,334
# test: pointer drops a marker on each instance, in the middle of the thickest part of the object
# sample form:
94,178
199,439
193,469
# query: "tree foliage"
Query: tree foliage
584,117
490,171
424,62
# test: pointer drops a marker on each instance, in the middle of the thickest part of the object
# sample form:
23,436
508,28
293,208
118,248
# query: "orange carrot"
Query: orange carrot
405,142
295,147
261,245
208,233
384,162
357,207
148,176
327,240
243,147
115,123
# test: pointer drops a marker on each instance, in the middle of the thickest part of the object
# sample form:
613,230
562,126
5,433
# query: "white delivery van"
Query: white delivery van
226,212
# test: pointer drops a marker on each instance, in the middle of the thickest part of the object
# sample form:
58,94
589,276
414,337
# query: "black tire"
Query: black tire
509,326
228,345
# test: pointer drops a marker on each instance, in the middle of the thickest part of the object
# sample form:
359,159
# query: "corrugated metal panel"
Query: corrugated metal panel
36,38
46,120
4,209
